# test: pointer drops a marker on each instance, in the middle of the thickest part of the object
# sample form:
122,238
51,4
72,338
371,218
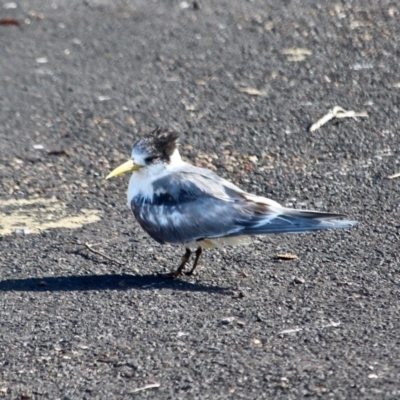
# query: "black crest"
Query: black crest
159,145
165,142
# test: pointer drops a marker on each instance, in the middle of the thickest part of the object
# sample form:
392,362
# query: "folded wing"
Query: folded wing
193,204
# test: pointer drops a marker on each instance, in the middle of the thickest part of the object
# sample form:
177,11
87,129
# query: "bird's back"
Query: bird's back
191,204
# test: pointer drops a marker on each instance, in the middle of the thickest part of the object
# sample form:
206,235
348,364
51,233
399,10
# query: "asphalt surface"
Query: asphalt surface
81,81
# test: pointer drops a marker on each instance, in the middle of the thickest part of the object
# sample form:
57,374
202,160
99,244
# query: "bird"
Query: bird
181,204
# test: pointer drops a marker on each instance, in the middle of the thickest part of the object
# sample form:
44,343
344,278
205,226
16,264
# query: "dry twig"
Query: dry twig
99,253
286,256
152,385
89,247
250,91
394,176
337,112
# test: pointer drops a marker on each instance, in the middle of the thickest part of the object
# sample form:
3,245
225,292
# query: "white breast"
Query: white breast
141,182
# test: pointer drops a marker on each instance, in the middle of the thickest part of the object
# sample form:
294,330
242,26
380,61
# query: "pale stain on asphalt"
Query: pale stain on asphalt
30,216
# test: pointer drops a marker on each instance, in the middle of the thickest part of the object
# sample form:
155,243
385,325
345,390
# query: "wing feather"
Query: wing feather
193,204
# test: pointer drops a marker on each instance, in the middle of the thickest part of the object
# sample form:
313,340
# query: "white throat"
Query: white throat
141,180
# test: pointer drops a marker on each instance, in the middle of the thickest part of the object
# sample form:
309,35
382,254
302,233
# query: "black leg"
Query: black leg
198,254
185,259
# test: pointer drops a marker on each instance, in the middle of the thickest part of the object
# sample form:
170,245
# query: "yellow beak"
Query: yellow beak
129,166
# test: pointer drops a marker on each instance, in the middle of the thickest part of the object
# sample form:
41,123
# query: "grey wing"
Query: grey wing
194,204
187,208
256,215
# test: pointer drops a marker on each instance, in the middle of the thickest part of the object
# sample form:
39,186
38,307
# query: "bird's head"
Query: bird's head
160,147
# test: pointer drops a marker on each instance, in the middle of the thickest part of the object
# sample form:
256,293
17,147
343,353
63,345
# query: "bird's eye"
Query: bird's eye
150,159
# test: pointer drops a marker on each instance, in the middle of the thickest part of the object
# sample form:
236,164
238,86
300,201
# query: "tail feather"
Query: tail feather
312,214
297,221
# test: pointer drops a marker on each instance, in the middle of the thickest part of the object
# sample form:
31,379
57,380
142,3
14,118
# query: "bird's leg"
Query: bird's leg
185,259
198,254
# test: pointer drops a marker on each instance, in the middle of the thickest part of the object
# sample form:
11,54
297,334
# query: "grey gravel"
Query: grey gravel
74,325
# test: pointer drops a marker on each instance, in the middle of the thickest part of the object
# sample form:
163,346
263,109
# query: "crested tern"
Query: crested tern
180,204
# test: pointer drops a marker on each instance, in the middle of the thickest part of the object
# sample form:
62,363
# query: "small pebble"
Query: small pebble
42,60
184,5
9,6
227,320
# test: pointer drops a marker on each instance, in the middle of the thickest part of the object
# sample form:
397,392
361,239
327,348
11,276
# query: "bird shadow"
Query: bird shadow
104,282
